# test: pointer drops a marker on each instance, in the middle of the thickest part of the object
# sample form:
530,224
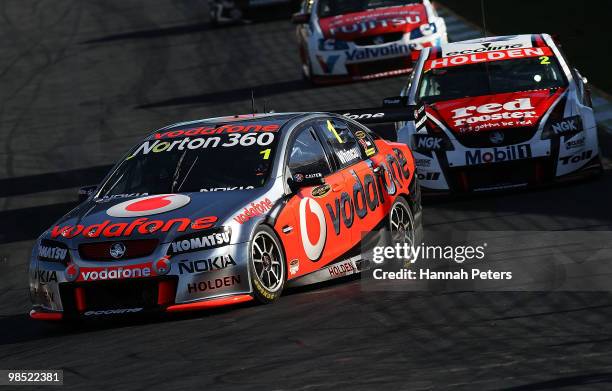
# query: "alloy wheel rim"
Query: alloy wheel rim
267,260
402,224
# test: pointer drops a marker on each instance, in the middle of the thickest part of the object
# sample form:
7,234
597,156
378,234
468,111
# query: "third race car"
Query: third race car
344,40
498,113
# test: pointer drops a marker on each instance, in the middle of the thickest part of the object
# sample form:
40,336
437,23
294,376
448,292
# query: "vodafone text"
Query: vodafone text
141,225
255,209
119,273
370,193
225,129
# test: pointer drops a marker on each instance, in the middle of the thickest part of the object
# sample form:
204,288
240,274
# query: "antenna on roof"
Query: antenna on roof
484,19
253,109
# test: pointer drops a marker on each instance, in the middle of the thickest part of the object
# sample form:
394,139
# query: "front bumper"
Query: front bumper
532,163
503,176
195,280
366,62
46,315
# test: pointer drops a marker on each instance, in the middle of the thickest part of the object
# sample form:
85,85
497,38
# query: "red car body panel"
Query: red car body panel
374,22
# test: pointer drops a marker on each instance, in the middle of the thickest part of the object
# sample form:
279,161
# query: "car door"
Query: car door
305,225
361,205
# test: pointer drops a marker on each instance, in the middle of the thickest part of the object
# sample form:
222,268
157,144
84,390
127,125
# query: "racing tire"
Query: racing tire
401,228
307,74
401,222
306,68
267,266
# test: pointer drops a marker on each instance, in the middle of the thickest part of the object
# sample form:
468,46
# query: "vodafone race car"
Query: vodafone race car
225,210
343,40
498,113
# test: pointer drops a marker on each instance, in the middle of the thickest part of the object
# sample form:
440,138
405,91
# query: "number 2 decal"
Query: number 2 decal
544,60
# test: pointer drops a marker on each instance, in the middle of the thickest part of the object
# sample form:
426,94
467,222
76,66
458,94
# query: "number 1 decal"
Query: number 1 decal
265,153
331,128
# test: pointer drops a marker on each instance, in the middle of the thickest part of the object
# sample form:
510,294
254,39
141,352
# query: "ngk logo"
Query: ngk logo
428,142
568,125
514,109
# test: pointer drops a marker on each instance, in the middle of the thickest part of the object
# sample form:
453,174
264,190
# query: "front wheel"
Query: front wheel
267,265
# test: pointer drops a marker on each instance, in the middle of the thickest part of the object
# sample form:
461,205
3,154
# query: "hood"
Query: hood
162,217
494,112
374,22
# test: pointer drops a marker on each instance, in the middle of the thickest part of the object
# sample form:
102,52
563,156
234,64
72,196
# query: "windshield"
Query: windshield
212,163
339,7
488,78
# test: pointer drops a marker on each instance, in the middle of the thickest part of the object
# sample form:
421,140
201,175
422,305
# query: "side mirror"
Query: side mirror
582,78
86,191
395,101
298,181
300,18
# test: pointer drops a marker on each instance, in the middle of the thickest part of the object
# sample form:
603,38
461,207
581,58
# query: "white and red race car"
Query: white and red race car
344,40
498,113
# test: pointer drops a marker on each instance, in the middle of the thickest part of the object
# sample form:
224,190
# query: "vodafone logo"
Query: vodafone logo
72,272
162,266
308,208
150,205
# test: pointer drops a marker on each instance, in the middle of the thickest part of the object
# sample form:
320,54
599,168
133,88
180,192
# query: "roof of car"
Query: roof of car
236,119
250,121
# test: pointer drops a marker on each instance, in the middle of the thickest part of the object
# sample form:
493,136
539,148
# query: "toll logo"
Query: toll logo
150,205
576,158
312,228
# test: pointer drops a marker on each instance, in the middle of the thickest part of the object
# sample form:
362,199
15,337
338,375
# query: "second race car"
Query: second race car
498,113
220,211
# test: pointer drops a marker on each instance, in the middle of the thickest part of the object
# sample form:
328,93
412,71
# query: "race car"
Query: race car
344,40
498,113
225,210
224,12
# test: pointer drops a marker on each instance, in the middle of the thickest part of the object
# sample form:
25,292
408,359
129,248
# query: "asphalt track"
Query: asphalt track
81,81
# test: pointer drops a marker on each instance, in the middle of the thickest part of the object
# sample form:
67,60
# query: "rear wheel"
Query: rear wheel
402,230
401,222
267,265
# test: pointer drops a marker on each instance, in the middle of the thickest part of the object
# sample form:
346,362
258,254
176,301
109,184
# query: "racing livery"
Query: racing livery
225,210
498,113
343,40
